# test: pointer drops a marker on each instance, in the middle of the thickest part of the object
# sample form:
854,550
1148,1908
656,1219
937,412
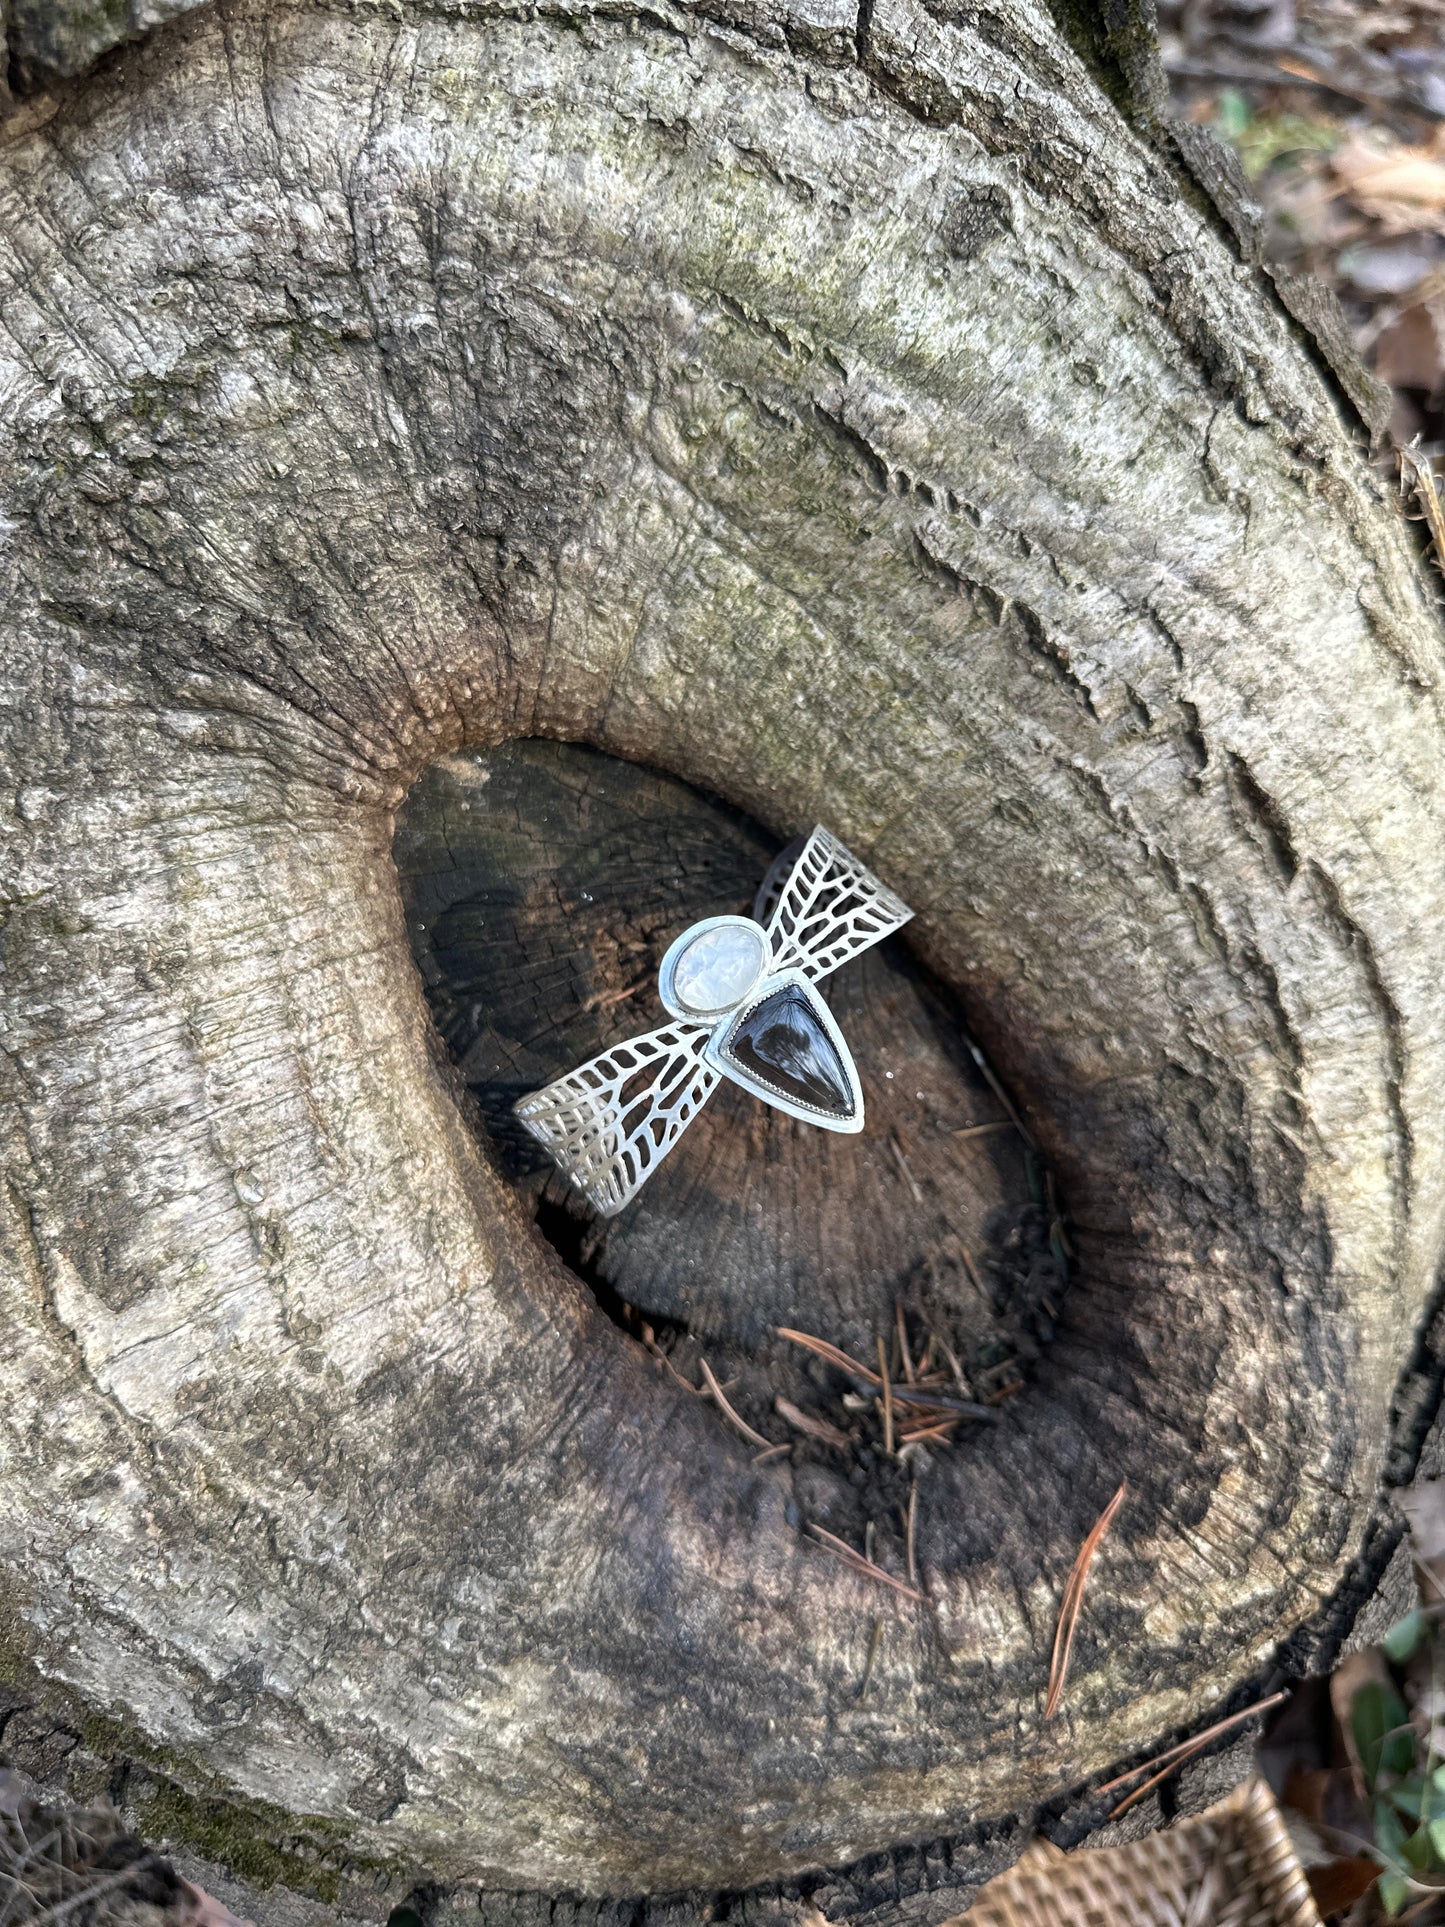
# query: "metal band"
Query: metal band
608,1124
829,908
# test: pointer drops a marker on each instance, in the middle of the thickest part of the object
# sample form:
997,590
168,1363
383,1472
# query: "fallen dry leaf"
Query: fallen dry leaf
1407,175
1410,352
1340,1883
1403,188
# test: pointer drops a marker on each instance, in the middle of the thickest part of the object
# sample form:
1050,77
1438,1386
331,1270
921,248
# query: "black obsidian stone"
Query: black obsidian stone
782,1044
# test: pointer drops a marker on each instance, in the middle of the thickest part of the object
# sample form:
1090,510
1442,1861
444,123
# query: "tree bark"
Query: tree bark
854,416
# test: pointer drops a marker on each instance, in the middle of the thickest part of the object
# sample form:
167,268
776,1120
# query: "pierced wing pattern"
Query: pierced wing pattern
827,909
611,1122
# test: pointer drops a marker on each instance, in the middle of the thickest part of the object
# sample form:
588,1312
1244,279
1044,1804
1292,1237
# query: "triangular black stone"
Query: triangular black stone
783,1046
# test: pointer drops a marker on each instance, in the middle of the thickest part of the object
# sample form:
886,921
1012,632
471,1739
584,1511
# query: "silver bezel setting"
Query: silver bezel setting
608,1124
672,1003
759,1087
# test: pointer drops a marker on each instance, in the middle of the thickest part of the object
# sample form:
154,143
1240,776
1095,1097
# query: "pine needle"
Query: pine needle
1002,1095
905,1361
887,1400
873,1644
816,1428
1073,1599
742,1424
898,1153
842,1550
1177,1756
833,1354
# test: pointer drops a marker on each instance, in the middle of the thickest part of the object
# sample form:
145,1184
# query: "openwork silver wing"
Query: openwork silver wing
822,906
611,1122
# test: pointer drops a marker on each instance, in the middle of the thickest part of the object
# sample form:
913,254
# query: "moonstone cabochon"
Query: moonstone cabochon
722,959
718,969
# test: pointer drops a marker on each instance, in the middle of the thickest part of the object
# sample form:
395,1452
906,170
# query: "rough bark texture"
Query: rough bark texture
852,416
53,40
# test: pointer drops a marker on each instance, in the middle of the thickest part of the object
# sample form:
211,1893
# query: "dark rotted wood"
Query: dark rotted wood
543,882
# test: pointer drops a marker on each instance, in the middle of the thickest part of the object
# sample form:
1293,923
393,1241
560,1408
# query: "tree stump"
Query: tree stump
858,418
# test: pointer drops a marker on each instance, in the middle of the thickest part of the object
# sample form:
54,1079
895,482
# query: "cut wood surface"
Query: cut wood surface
542,884
853,416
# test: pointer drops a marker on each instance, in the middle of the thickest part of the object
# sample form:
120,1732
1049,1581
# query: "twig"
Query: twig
842,1550
912,1527
903,1167
33,1850
742,1424
605,1001
946,1402
1199,1739
816,1428
983,1130
832,1353
903,1354
93,1892
1422,481
773,1452
1073,1599
887,1400
1275,75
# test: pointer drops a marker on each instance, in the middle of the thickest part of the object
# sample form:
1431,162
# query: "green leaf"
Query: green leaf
1232,114
1394,1892
1382,1730
1409,1798
1417,1851
1404,1636
1273,137
1436,1831
1389,1834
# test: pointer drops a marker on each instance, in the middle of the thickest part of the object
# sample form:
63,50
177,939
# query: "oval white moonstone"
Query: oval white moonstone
719,968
